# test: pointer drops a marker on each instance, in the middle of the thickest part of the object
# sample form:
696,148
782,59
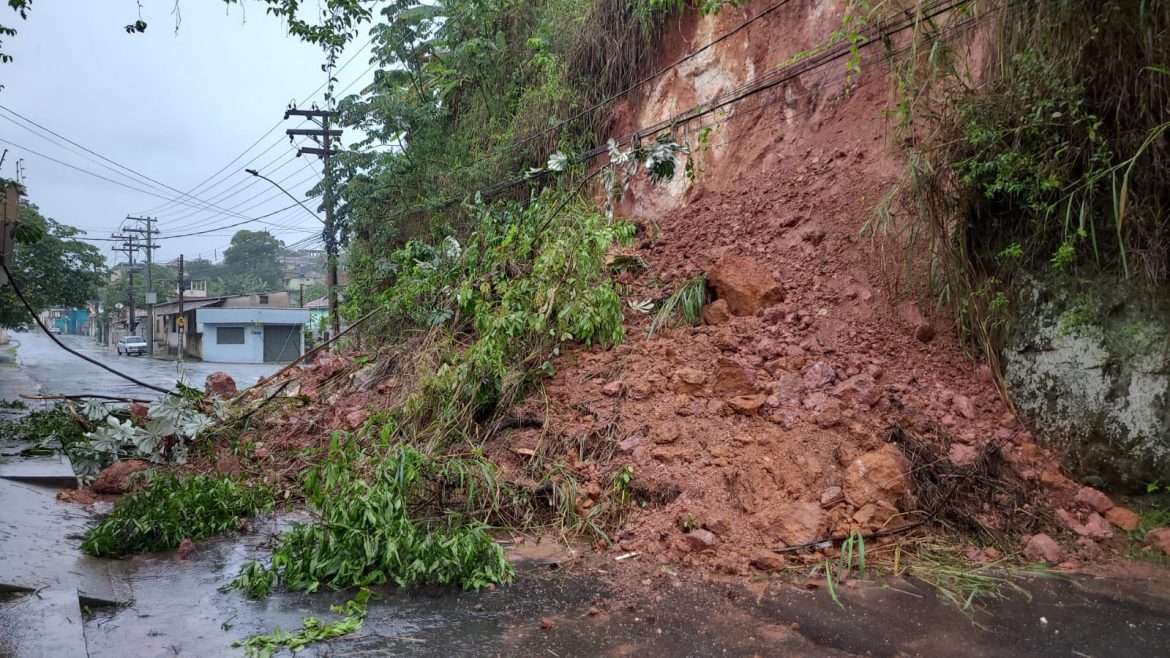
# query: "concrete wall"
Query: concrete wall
251,351
209,321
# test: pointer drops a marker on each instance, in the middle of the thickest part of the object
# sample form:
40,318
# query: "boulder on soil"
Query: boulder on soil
700,539
1096,527
688,380
115,478
878,477
819,375
1094,499
614,388
716,312
859,390
795,523
1124,518
1159,538
219,384
1043,548
746,285
731,378
767,561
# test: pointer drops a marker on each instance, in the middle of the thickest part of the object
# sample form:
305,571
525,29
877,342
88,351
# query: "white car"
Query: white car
132,345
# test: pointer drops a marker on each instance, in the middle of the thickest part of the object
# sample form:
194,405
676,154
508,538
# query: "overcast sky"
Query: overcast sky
177,107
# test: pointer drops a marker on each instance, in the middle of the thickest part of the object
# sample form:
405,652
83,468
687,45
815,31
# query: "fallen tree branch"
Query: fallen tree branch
85,396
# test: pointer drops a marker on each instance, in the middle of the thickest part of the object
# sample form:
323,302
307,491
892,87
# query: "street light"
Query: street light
260,175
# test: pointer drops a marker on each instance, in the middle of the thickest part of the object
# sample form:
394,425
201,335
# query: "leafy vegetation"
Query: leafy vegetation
353,614
686,303
367,533
51,266
170,508
1051,159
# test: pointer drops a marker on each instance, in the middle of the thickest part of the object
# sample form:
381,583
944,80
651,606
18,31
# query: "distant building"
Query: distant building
258,328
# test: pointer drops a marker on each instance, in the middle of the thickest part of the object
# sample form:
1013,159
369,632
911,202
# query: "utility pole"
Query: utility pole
129,247
9,215
329,233
151,295
302,304
181,320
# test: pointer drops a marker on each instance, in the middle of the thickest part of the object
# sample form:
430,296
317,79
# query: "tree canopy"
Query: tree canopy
52,268
252,262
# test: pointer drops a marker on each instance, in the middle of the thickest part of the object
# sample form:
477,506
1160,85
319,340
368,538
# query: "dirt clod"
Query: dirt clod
1042,548
220,385
116,478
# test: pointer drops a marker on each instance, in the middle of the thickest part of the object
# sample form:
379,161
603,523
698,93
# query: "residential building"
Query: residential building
257,328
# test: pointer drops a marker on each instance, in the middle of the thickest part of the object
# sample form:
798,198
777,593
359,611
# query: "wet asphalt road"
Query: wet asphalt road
56,371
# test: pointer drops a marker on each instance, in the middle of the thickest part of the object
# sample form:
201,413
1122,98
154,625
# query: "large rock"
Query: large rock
745,283
1088,367
220,385
877,477
795,523
116,478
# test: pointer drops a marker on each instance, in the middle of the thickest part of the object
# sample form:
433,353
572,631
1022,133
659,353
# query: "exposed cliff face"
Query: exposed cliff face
1089,367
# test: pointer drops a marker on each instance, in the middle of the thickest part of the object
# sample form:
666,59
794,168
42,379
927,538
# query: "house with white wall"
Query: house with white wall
258,328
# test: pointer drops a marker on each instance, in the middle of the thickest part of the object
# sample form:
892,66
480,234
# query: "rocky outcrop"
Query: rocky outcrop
1088,367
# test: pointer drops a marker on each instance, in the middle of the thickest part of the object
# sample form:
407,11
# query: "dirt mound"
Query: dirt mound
770,420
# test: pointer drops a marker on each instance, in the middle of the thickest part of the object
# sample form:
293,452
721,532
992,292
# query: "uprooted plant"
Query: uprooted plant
170,508
372,529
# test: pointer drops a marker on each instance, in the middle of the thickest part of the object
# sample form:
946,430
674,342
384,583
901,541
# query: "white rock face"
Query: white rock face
1090,371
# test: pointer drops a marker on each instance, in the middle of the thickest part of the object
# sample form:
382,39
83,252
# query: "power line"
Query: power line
28,307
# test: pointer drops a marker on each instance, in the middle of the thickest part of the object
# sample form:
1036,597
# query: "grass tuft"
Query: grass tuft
686,302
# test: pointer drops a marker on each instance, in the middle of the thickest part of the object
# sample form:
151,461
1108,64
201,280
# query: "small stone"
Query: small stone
690,377
546,623
865,514
716,312
964,406
819,375
962,454
1043,548
1094,499
924,333
748,405
1096,527
700,539
1124,518
767,561
614,388
831,496
628,444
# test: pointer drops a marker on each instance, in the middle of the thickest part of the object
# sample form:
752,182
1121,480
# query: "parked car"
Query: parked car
56,330
131,345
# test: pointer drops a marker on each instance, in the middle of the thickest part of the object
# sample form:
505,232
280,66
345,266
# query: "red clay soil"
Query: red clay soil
764,427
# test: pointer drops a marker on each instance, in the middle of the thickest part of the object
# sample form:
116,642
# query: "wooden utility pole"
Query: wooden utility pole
181,320
129,247
329,233
151,295
9,214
